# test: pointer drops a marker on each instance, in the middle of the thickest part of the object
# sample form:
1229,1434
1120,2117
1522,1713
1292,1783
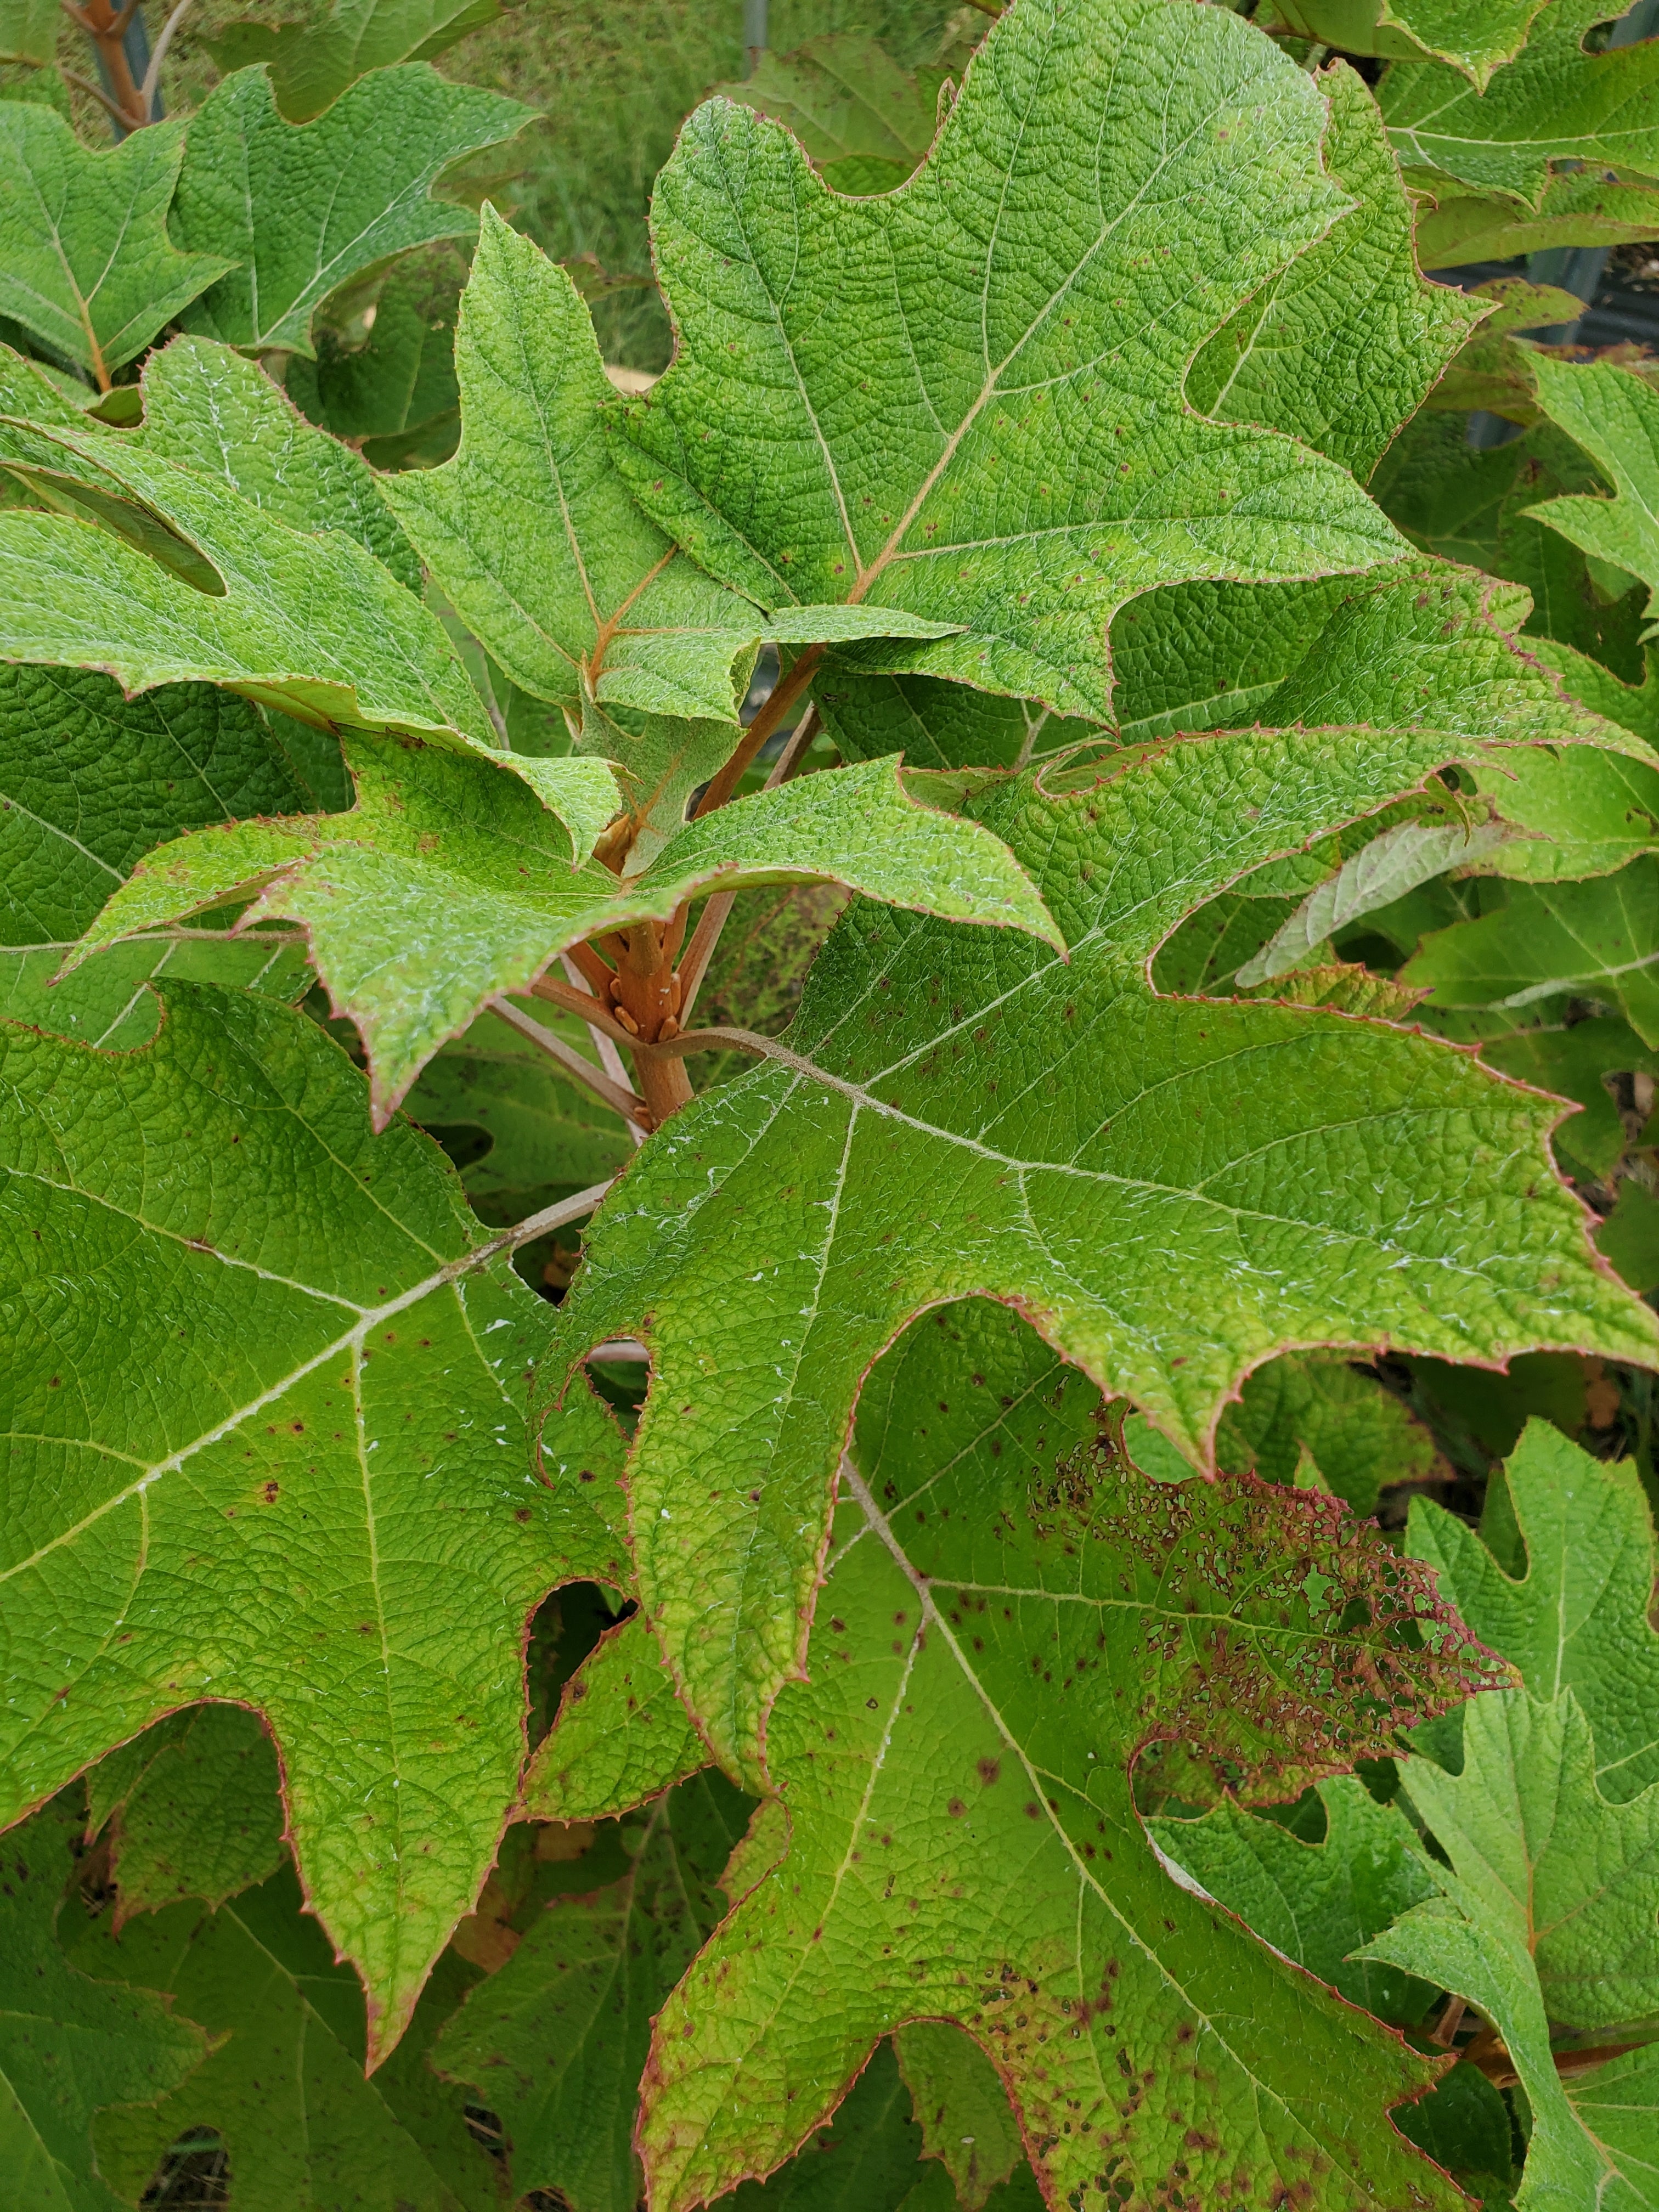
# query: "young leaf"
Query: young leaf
1597,940
602,610
301,209
896,401
89,782
67,2043
443,888
285,2091
312,62
1317,1902
276,1456
1554,103
1561,1586
1614,417
1342,377
213,412
950,1116
196,1806
555,2041
865,122
1011,1614
86,265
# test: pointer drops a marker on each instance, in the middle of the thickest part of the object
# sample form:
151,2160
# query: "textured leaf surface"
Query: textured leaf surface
865,122
1475,36
1614,417
1581,209
1571,1061
913,402
1359,1435
221,416
557,2040
1317,1902
85,260
196,1804
951,1115
399,386
1597,940
271,1452
67,2043
303,209
312,62
961,2107
1346,343
621,1735
1553,103
285,2091
1562,1585
91,781
1011,1613
447,884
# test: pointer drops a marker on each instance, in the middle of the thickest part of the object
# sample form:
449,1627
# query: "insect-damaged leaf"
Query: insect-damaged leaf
1175,1189
964,399
275,1454
1011,1613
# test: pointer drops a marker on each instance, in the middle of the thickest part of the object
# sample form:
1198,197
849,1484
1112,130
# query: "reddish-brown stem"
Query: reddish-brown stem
596,970
107,26
784,692
578,1002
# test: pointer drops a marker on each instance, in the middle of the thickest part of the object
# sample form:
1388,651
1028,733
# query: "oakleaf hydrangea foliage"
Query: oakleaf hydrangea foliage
757,1122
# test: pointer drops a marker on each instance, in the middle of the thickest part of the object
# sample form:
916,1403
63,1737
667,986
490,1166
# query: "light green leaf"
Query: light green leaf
963,1845
312,62
895,402
1570,1878
948,1117
89,783
1597,940
273,1443
1580,208
1614,415
285,2091
67,2044
1475,36
1345,344
86,263
198,1810
1554,103
41,394
1562,1586
305,208
555,2041
1359,1434
961,2107
621,1735
1579,810
1493,370
865,122
221,416
1317,1902
446,885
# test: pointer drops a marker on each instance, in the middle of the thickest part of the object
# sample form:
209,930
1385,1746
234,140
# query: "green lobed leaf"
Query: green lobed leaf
1317,1902
312,64
1475,36
269,1454
1346,343
621,1737
865,122
443,888
303,209
222,418
1629,1238
1614,417
1597,940
1174,1189
893,402
1011,1613
1594,207
284,2090
1562,1585
1571,1061
69,2043
961,2107
90,782
86,263
554,2042
1554,103
1359,1434
397,387
196,1804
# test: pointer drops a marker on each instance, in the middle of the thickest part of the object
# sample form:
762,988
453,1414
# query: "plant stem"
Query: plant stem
610,1059
784,692
107,26
153,74
616,1096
